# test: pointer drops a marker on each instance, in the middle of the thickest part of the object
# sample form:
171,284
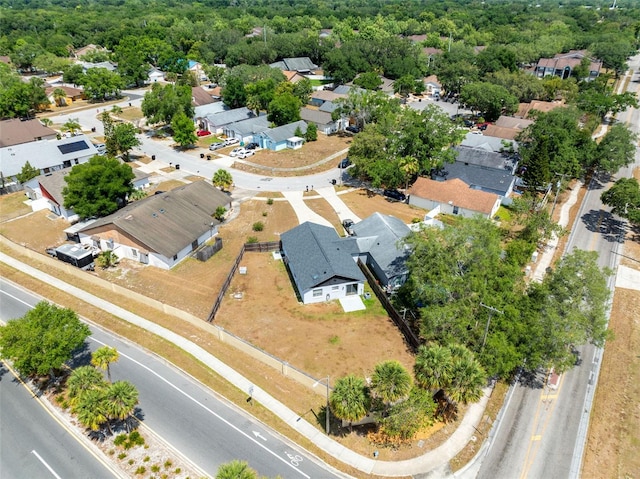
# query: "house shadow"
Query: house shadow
611,228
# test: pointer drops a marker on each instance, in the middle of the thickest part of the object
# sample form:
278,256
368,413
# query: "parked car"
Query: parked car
231,141
245,154
251,146
482,126
344,163
395,195
353,129
203,133
216,146
236,151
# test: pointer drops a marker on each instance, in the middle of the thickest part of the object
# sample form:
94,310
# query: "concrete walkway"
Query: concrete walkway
433,459
342,210
628,278
303,212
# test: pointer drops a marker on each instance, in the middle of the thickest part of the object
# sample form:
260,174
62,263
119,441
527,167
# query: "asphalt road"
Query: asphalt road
32,443
543,430
201,425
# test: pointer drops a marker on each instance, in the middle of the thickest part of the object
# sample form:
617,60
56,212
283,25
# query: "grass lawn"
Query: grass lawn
12,206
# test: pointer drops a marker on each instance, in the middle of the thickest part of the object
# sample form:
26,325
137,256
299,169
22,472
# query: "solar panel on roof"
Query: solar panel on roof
72,147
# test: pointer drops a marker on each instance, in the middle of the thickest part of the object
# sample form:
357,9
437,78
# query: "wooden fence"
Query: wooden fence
259,247
208,251
410,336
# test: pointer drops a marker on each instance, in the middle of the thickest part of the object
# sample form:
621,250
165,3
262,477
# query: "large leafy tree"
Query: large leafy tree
183,130
100,84
284,109
131,56
27,173
161,103
98,187
489,99
41,341
624,198
617,149
19,98
350,399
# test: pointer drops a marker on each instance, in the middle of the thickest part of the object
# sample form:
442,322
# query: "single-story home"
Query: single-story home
46,155
246,130
160,230
71,94
323,120
155,75
45,192
380,239
489,143
453,197
563,64
17,131
200,96
298,64
196,68
318,97
486,159
525,109
321,267
432,86
140,180
89,65
490,180
216,122
282,137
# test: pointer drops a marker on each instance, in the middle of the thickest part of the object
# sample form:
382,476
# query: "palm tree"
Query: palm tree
82,380
59,96
390,381
409,166
103,357
350,399
72,124
90,409
433,366
46,121
120,400
236,470
468,379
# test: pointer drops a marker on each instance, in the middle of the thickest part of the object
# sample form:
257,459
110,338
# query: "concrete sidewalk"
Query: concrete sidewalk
303,212
435,459
342,210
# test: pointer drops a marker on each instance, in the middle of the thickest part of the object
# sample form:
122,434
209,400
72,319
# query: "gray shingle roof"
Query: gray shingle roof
328,106
315,116
252,125
486,179
315,255
381,236
169,222
299,64
54,183
483,158
282,133
224,118
487,143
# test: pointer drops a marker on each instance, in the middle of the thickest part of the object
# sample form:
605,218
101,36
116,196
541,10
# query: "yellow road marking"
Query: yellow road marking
537,437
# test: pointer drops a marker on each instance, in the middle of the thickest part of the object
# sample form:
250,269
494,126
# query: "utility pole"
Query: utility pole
559,182
486,329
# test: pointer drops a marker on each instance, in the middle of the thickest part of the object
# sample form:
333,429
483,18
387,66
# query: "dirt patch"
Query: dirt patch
364,203
310,153
48,226
12,206
613,439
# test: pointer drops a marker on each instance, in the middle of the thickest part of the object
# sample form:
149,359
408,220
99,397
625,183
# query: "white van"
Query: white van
101,147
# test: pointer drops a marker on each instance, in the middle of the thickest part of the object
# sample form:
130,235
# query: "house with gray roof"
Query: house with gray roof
489,143
298,64
491,180
323,120
160,230
282,137
320,264
46,155
215,122
246,130
346,89
329,107
380,238
45,192
486,159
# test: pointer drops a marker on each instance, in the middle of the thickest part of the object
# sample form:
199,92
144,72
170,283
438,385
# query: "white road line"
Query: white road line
45,464
17,299
254,440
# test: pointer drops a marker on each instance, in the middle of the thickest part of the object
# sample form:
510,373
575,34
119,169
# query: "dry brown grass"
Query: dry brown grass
365,204
12,206
310,153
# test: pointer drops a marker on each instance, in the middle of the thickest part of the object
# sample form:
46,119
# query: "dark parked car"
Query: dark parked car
344,163
395,195
347,224
353,129
251,146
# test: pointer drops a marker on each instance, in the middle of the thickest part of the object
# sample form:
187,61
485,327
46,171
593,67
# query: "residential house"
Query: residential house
200,96
197,69
328,106
380,239
201,112
489,143
432,86
45,192
46,155
71,94
347,89
507,127
293,76
17,131
299,64
501,161
141,179
321,266
160,230
91,48
525,109
563,64
88,65
216,122
246,130
490,180
323,120
453,197
155,75
282,137
319,97
386,85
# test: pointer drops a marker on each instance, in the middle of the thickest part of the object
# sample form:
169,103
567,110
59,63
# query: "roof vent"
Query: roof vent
155,215
162,210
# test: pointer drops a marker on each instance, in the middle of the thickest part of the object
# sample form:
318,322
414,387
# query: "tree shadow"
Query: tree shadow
532,379
599,180
611,228
81,357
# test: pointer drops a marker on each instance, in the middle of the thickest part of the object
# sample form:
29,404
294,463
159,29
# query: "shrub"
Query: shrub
269,201
258,226
131,461
136,438
122,455
334,339
252,239
155,468
264,213
112,452
178,470
146,459
168,464
120,439
141,470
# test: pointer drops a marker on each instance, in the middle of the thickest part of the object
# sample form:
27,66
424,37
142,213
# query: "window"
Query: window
175,257
75,161
134,252
335,288
455,210
317,293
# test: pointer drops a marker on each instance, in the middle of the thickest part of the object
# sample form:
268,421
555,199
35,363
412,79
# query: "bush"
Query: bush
168,464
155,468
136,438
131,461
252,239
258,226
141,470
146,459
122,455
264,213
120,439
270,201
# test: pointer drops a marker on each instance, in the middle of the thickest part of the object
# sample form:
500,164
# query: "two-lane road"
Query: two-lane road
202,426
